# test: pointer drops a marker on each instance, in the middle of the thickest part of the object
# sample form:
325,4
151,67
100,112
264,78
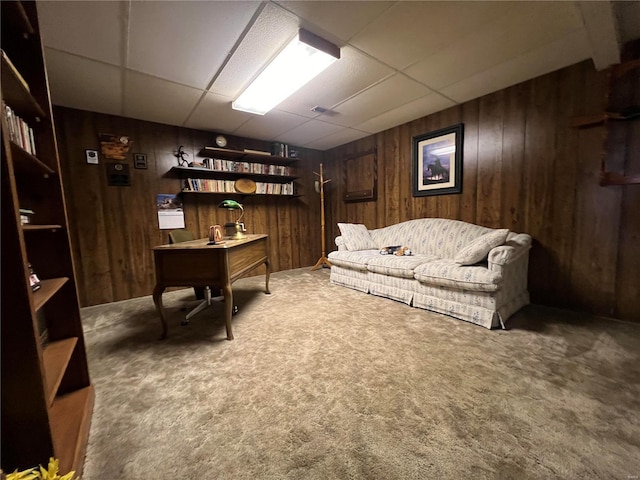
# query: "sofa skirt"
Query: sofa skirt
487,309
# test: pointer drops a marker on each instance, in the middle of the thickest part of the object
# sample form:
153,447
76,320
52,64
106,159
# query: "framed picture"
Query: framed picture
139,160
437,162
361,176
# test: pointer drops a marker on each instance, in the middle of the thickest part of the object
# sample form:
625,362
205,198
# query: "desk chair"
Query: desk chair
204,294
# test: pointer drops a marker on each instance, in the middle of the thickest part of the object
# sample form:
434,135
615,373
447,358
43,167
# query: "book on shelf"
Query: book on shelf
20,132
223,165
15,71
229,186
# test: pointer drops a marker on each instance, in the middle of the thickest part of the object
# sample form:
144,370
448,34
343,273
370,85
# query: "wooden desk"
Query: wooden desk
196,264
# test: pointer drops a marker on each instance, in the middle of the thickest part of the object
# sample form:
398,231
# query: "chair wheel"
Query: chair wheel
235,309
184,323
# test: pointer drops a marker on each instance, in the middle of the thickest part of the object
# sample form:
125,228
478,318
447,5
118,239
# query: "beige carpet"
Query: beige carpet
323,382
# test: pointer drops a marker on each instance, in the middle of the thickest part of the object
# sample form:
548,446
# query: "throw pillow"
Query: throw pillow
479,248
356,236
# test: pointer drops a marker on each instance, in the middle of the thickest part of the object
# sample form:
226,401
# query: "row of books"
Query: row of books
228,186
283,150
221,165
19,132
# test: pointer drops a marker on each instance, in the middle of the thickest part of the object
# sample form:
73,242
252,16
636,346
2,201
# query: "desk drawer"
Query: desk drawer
190,267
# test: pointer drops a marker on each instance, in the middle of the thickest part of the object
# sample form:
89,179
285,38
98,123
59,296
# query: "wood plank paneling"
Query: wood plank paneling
114,229
525,169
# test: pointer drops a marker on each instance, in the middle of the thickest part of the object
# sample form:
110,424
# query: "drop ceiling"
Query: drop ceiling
184,62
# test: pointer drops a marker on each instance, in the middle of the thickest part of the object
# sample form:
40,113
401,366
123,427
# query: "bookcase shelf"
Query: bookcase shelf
46,393
224,166
25,163
56,356
197,172
215,152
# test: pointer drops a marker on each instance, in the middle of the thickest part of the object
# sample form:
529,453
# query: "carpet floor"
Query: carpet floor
324,382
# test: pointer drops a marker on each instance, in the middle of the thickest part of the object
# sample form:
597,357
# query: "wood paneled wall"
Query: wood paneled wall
524,169
113,229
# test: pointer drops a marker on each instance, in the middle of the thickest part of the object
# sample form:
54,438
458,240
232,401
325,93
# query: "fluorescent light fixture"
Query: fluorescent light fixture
301,60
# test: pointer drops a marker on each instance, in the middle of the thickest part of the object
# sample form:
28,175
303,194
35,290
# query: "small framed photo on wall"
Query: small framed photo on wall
139,160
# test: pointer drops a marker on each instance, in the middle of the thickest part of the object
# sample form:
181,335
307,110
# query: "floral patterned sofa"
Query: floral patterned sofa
470,272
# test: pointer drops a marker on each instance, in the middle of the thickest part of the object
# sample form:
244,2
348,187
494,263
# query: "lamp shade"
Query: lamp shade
232,205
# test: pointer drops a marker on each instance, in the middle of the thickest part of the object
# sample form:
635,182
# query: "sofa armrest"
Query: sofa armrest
340,243
513,249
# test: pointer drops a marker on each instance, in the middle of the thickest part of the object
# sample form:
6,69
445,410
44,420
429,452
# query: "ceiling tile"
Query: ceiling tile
340,19
214,113
341,137
308,132
185,42
89,29
559,54
506,37
271,31
269,126
142,94
94,86
386,95
409,31
351,74
421,107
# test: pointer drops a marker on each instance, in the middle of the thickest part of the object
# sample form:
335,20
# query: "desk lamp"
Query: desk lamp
235,230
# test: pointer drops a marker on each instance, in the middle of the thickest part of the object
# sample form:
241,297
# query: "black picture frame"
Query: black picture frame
139,160
437,162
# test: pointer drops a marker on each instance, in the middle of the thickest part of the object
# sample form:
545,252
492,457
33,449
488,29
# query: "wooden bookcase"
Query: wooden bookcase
47,396
222,173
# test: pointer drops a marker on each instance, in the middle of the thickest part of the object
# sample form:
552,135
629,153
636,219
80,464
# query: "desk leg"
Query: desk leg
228,308
268,265
157,299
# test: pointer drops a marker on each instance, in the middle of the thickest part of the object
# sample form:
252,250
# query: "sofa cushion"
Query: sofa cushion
478,249
398,266
356,236
434,236
355,260
450,274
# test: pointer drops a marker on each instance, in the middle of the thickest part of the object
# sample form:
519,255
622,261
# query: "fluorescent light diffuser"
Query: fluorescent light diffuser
301,60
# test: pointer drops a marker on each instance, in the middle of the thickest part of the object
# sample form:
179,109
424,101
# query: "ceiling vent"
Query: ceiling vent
326,111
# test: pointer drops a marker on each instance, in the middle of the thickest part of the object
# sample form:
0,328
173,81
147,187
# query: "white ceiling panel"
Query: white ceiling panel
267,36
341,137
339,19
497,42
377,100
214,113
409,31
142,94
544,60
353,73
271,125
94,86
431,103
189,50
401,60
89,29
308,132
